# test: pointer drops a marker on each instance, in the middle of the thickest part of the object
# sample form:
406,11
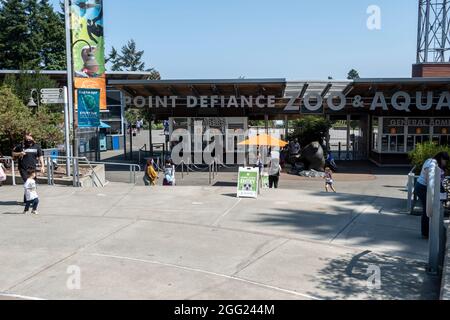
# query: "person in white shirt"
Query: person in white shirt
274,170
441,159
31,196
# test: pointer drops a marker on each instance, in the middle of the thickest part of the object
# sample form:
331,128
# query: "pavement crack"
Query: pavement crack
217,222
115,204
353,219
252,259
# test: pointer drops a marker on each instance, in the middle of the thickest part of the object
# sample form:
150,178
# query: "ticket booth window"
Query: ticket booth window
393,138
441,135
417,134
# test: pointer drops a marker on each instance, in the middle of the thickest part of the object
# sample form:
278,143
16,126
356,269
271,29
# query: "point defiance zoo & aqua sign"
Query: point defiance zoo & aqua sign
311,102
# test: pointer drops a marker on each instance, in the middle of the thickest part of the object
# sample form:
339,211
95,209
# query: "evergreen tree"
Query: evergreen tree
130,59
53,49
32,35
17,41
353,74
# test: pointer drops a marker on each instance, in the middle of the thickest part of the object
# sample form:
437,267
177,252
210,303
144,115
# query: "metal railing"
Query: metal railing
213,170
13,169
77,161
411,200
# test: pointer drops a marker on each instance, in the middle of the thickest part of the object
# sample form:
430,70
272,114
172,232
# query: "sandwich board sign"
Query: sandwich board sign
248,181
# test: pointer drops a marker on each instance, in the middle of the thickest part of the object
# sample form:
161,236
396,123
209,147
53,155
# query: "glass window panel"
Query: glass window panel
410,145
385,143
394,125
400,144
393,144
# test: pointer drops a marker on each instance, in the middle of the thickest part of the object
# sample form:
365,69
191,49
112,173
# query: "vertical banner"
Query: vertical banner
88,46
88,108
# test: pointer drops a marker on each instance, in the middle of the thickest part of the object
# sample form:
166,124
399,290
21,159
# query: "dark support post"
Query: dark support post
150,134
131,142
266,123
97,150
124,140
349,119
286,127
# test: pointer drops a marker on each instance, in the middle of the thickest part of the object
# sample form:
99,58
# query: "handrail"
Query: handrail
13,168
133,167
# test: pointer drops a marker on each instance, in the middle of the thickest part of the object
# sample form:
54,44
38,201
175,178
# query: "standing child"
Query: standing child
31,196
329,182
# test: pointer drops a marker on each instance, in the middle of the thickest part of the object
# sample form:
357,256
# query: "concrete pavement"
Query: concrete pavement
202,243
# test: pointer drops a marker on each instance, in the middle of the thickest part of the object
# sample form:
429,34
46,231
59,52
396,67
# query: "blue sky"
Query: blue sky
293,39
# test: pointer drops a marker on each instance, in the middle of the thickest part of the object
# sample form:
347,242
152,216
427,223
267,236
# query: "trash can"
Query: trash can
116,142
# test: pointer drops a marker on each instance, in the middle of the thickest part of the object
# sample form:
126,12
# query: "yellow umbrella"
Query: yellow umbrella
264,140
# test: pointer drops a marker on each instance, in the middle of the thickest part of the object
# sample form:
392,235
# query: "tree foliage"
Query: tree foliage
130,59
425,151
32,36
16,119
311,129
353,74
23,83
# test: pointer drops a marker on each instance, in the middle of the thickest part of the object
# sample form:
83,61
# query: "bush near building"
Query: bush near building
424,151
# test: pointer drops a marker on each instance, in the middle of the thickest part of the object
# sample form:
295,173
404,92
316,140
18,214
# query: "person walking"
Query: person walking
329,182
274,172
31,195
28,153
441,159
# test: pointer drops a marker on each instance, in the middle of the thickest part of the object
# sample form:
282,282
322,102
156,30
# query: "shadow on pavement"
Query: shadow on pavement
355,277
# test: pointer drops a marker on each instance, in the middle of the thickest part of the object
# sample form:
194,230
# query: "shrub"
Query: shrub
424,151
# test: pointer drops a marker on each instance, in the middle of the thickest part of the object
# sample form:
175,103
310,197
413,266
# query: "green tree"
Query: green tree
311,129
32,35
17,40
23,83
130,59
353,74
15,119
53,48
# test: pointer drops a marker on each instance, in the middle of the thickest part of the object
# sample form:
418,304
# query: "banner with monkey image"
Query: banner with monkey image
88,46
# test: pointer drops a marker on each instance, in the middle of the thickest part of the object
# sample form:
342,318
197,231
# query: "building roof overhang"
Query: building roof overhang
202,87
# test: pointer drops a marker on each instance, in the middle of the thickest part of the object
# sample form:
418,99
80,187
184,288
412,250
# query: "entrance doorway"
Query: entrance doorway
348,137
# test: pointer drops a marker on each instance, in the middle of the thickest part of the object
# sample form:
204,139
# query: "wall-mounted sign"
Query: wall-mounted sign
311,103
